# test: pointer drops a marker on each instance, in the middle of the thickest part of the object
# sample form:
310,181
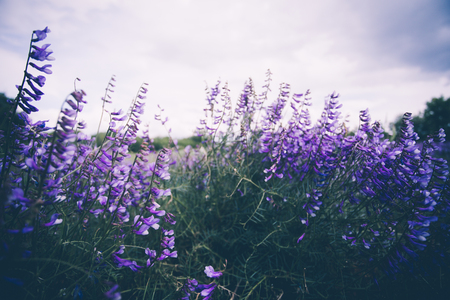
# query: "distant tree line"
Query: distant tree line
6,105
435,116
158,142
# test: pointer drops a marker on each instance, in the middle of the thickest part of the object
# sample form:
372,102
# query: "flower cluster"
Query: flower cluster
381,195
39,54
29,91
205,290
356,200
59,181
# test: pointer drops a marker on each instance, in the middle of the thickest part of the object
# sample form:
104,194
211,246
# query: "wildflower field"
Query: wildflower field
270,204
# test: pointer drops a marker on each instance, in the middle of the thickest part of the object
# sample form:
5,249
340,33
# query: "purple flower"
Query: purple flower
207,290
17,195
166,253
152,255
53,220
148,222
35,89
168,218
190,285
45,68
168,242
301,237
41,53
121,249
27,229
153,210
158,193
40,35
121,262
167,232
97,212
209,271
40,80
29,93
151,221
123,118
143,230
27,107
113,296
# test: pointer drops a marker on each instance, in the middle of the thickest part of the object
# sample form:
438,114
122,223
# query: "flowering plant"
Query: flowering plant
288,206
304,208
75,214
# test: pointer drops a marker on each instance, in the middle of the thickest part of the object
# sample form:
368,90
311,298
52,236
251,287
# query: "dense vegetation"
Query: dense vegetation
257,206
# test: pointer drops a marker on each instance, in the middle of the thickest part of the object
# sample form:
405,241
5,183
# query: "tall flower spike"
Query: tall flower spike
22,100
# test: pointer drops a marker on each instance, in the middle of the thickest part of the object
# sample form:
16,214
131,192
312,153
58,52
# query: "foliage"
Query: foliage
435,116
281,207
161,142
5,108
158,143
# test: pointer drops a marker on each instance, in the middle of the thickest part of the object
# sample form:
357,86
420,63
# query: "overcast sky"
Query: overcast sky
389,56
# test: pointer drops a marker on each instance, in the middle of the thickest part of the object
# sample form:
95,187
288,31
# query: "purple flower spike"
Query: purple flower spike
54,220
209,271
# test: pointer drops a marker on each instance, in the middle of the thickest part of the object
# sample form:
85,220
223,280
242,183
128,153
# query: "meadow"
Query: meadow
269,205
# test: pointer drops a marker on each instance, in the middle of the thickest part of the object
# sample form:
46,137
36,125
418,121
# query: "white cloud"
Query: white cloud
388,56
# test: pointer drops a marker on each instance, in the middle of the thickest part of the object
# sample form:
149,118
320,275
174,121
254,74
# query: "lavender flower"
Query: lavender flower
53,220
44,69
112,294
40,35
209,271
152,256
207,290
41,53
166,253
125,262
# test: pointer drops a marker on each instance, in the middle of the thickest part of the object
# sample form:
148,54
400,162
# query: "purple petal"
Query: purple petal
209,271
54,220
40,35
45,68
301,237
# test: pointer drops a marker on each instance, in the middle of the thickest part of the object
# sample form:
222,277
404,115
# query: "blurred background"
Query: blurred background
388,56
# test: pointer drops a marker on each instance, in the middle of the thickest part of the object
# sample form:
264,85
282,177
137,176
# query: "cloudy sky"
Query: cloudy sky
389,56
